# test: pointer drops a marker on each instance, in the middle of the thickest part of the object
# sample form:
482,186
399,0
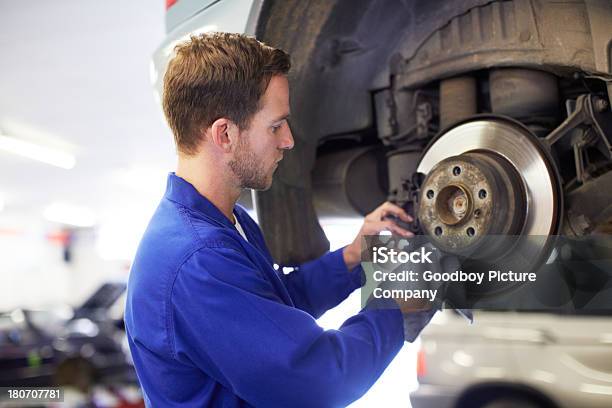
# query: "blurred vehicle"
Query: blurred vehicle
43,348
516,359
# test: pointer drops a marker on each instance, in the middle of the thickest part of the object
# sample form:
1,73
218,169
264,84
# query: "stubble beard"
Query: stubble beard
248,169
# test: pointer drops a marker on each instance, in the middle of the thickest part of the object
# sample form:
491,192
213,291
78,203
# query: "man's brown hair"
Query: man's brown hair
217,75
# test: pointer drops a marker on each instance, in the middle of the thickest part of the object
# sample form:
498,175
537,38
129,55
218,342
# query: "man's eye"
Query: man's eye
275,128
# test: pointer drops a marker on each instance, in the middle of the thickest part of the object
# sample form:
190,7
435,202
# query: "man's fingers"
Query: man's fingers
393,209
414,305
401,231
390,225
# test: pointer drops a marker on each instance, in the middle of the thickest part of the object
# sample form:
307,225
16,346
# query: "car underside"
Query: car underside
480,117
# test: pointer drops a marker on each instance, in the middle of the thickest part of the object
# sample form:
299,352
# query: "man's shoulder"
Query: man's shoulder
173,235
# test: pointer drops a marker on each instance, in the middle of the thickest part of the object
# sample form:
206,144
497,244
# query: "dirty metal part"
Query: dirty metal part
467,198
577,224
424,115
332,85
495,138
350,182
405,186
457,99
386,116
524,94
599,12
405,116
524,152
589,123
589,206
512,33
583,113
402,164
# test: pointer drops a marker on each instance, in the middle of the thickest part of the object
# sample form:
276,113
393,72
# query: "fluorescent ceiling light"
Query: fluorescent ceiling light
70,215
37,152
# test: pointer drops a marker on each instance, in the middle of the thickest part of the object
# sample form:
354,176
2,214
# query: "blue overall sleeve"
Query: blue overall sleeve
323,283
227,319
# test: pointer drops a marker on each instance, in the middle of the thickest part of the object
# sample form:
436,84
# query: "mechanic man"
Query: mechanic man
210,322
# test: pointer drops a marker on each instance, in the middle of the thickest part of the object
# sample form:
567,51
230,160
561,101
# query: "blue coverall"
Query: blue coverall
211,323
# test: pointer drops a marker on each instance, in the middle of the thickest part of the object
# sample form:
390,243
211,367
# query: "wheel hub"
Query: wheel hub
488,178
468,197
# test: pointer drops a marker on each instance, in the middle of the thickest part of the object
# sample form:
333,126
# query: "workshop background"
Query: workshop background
84,153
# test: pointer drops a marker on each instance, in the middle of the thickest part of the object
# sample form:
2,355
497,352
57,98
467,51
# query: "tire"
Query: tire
511,402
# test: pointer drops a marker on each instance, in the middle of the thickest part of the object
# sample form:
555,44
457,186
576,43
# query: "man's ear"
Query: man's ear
223,134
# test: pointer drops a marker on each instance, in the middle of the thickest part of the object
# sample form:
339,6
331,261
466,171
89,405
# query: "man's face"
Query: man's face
260,147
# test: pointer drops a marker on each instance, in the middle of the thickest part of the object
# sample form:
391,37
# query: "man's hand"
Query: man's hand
373,224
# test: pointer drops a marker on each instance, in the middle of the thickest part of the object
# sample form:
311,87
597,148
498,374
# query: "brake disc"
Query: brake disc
491,195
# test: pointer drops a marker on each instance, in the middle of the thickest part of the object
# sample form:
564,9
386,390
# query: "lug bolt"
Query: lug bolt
601,105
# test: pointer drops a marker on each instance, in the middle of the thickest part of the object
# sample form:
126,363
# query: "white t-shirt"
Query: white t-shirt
239,228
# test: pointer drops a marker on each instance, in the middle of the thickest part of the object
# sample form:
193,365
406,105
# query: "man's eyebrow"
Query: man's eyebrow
280,119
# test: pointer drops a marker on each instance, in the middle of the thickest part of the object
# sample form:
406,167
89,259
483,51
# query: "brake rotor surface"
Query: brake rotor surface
487,178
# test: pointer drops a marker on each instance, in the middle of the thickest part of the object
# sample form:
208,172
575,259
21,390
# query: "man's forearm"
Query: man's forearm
351,256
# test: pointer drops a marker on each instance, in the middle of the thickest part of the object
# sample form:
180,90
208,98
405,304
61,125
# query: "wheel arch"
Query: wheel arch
479,394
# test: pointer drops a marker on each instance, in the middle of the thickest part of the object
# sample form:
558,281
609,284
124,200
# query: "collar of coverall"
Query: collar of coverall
183,193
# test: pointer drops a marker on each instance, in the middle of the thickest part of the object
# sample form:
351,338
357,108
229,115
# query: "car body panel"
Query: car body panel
568,359
182,10
233,16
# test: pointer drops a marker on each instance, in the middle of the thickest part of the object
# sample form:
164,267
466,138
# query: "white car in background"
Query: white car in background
515,359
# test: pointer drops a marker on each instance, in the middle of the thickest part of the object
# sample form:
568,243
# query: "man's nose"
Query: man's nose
287,141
